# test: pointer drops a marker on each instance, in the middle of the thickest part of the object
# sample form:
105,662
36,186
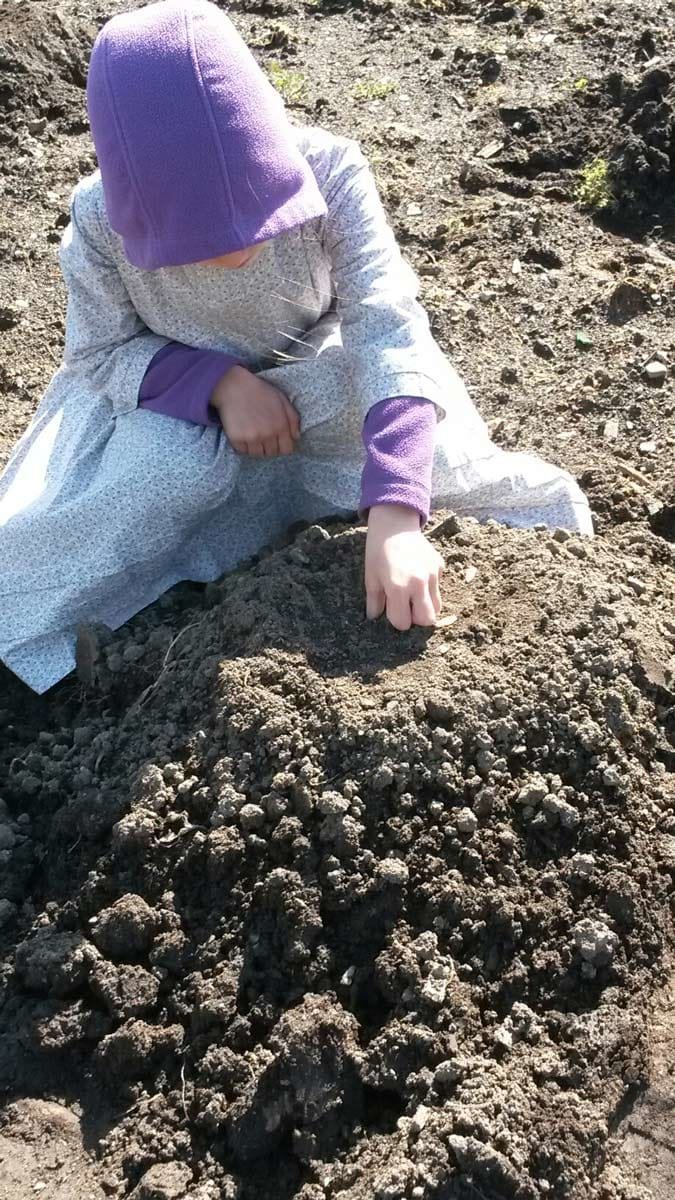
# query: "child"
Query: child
244,349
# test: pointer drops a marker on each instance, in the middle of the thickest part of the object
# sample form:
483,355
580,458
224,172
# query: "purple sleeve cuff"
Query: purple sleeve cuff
398,435
180,380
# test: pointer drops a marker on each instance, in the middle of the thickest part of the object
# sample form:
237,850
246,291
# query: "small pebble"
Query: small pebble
595,941
251,816
655,372
426,946
504,1037
543,349
611,430
332,804
392,870
467,822
637,585
583,864
382,777
445,622
420,1118
647,447
611,777
533,792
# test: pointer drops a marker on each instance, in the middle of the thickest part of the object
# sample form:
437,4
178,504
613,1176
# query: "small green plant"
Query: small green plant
580,85
375,89
594,189
275,36
292,85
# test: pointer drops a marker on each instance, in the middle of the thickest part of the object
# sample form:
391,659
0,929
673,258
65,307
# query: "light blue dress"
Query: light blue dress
104,506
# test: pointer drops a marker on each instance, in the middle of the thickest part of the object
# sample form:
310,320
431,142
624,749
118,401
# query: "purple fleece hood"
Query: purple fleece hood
197,155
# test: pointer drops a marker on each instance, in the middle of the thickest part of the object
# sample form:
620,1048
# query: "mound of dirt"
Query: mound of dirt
42,71
328,910
642,165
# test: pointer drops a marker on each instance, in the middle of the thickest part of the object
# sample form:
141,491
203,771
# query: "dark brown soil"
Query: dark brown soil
292,906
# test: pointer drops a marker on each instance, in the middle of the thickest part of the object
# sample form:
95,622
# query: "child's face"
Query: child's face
237,259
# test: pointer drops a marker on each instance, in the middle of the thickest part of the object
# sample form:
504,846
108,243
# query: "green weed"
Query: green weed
594,189
375,89
292,85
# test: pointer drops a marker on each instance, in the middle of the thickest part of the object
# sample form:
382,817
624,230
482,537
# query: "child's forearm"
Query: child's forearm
398,435
180,380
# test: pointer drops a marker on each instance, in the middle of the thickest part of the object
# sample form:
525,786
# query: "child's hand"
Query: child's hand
257,418
402,568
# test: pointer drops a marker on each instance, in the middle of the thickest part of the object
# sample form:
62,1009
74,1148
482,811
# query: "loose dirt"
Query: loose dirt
293,906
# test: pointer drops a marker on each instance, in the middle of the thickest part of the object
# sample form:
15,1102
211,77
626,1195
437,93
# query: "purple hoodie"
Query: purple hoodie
198,159
197,154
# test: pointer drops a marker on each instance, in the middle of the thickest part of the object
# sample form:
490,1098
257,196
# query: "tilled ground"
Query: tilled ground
387,910
293,906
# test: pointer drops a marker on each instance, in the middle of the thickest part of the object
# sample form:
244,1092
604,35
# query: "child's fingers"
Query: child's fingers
435,593
286,444
398,607
424,611
292,416
375,601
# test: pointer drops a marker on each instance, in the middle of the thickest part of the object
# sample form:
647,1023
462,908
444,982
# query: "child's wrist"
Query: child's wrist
393,518
221,395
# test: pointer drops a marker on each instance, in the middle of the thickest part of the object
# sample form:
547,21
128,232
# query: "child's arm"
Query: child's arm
208,387
105,337
398,368
180,382
402,574
398,435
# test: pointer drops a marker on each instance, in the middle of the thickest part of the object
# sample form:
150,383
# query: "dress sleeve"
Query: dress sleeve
106,340
385,331
180,380
398,435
